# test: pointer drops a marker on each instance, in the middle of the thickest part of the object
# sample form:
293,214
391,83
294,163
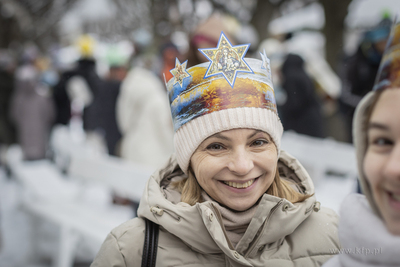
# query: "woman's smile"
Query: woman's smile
239,184
394,201
395,196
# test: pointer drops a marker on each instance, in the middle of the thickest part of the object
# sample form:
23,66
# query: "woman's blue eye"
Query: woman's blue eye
215,147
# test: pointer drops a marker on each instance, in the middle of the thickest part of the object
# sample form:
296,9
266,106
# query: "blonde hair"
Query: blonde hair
191,190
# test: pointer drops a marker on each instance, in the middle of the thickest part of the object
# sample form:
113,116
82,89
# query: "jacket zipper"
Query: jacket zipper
219,218
264,228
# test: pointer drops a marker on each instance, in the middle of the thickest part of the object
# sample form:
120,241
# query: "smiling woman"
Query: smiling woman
376,134
228,196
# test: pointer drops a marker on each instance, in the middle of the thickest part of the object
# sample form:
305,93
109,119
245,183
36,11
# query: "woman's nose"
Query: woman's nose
392,167
241,163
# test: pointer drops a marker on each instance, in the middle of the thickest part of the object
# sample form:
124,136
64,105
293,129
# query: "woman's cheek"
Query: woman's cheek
372,170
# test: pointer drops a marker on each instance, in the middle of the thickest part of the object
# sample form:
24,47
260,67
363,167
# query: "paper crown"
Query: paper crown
389,69
228,81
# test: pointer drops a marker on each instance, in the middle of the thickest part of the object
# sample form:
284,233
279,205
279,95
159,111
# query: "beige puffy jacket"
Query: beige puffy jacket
280,233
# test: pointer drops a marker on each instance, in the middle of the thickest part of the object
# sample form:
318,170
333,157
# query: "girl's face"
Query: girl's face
236,167
382,160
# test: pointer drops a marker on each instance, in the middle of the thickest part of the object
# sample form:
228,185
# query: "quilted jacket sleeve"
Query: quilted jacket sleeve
109,254
123,246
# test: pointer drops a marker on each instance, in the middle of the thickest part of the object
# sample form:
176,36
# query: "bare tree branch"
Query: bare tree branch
23,17
52,16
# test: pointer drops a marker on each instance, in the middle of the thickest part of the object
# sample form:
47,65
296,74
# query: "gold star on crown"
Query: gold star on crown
179,72
226,60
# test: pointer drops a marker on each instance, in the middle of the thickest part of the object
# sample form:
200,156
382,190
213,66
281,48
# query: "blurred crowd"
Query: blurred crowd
120,100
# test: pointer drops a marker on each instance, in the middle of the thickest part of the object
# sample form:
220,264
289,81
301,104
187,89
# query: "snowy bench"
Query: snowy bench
127,179
80,202
321,157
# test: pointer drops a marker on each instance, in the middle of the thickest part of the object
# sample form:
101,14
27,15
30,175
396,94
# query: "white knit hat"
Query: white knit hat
229,92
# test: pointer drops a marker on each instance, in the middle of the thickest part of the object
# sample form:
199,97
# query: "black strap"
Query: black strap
149,255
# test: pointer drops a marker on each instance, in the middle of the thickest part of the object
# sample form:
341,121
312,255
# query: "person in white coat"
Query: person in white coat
144,119
369,227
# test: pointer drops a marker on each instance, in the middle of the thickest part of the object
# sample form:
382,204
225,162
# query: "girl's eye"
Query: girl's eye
215,147
382,142
259,142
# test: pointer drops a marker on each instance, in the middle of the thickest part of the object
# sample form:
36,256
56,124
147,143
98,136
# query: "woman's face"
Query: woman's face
382,160
236,167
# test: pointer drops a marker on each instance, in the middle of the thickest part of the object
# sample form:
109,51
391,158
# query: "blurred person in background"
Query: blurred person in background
322,79
206,35
369,227
277,54
79,84
7,68
228,196
326,83
301,112
361,68
169,52
32,108
102,113
143,118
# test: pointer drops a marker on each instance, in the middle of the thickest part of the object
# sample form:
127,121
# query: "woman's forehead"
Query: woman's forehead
387,107
388,99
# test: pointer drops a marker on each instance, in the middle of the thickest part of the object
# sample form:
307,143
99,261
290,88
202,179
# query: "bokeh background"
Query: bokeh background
84,115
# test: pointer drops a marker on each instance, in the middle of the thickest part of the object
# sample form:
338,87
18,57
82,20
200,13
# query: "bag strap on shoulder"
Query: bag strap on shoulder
150,245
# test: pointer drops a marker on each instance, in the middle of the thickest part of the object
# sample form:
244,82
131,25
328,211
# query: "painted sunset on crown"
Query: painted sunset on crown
209,87
388,74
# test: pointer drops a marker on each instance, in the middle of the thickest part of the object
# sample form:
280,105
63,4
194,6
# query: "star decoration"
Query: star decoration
179,72
266,63
226,60
265,60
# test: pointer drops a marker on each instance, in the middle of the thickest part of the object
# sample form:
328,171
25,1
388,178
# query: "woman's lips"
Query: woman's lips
240,185
394,201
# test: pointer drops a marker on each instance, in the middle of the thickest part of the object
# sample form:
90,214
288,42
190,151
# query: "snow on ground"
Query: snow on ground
15,247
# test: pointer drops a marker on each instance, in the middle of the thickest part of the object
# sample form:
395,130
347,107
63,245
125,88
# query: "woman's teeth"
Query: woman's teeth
396,197
239,185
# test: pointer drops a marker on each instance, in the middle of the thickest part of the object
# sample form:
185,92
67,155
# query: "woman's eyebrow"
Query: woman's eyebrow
220,136
254,133
377,125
